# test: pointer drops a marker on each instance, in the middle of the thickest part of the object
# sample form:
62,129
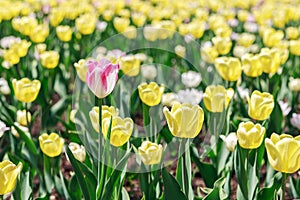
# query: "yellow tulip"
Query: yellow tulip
108,15
229,68
107,113
86,23
130,32
78,151
25,90
138,19
295,47
56,16
81,69
283,152
150,153
64,33
261,105
180,51
51,145
24,25
130,65
252,65
121,130
151,93
184,120
21,48
209,54
246,39
21,117
292,33
223,45
8,175
270,59
11,56
39,33
49,59
217,98
121,24
250,135
243,15
272,38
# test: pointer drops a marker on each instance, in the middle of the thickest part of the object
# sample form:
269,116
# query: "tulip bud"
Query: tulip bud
51,145
250,135
78,151
86,23
184,120
25,90
217,98
130,65
230,141
191,96
209,54
49,59
283,152
102,77
270,59
180,51
150,153
151,93
64,33
121,130
223,45
260,105
21,117
81,69
149,71
229,68
295,47
169,99
191,79
107,112
252,65
9,173
294,84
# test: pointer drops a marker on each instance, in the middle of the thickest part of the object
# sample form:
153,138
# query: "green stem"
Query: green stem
1,197
27,120
284,176
146,120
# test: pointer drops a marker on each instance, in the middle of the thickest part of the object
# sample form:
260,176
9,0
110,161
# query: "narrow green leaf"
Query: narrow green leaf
172,189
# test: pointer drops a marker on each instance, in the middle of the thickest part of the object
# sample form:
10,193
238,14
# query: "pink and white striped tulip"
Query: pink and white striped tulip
102,77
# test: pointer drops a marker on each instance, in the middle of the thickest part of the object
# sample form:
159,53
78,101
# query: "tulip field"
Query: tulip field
149,99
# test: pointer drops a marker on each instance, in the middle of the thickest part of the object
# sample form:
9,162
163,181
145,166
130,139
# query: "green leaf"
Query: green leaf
172,189
240,170
267,193
25,185
207,170
276,120
295,187
47,174
125,195
217,193
80,178
115,177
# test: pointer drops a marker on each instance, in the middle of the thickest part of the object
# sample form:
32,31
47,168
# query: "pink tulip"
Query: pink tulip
102,77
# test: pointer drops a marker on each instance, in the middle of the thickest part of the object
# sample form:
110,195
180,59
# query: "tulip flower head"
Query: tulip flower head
184,120
217,98
150,153
295,120
250,135
230,141
283,152
8,175
151,93
78,151
25,90
102,77
229,68
261,105
51,145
